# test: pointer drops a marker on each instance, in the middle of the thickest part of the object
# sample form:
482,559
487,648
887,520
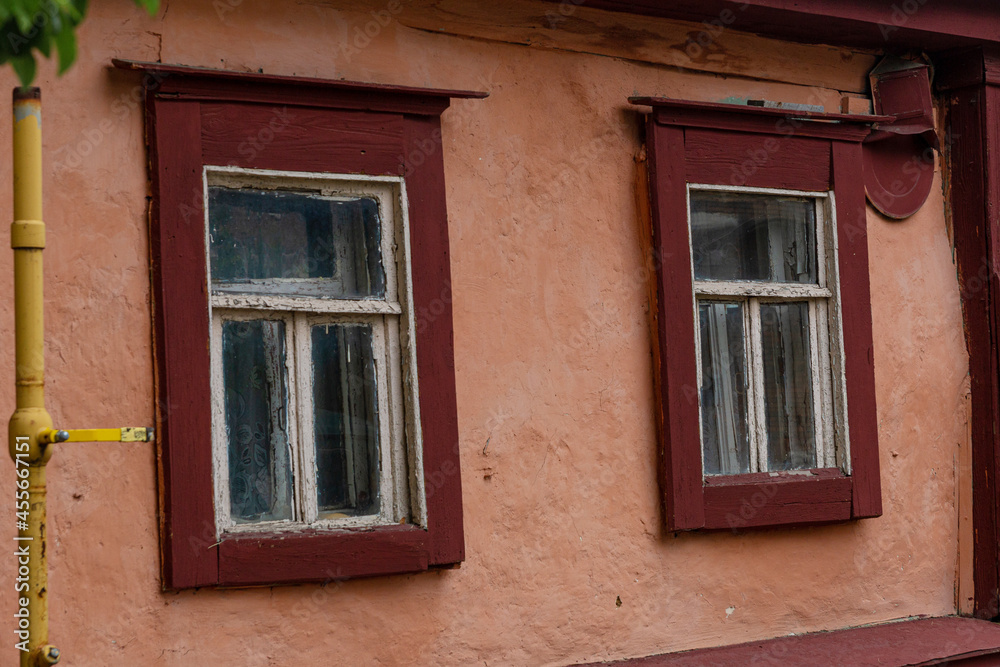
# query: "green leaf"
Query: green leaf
65,7
24,66
42,44
66,43
26,25
23,15
151,6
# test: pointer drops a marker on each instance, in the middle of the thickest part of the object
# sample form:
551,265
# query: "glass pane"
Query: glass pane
788,386
725,439
295,243
256,405
740,236
345,408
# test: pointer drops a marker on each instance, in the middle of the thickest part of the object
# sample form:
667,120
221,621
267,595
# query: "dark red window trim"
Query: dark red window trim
720,144
198,117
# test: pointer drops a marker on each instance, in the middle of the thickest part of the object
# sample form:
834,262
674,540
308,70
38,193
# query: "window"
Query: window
312,423
765,371
304,354
764,292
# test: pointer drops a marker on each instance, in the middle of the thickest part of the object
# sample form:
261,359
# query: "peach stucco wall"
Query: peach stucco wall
553,357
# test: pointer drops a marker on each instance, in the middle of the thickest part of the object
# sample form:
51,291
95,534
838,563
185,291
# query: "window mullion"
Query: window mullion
220,454
387,427
700,386
816,379
305,449
758,409
402,502
823,250
388,241
282,304
825,382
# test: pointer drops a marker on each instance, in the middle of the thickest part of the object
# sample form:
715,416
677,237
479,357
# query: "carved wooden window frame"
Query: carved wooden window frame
198,118
729,145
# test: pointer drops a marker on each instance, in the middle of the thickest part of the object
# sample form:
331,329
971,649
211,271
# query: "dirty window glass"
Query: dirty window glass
345,411
724,389
308,345
256,417
788,391
295,243
741,236
758,287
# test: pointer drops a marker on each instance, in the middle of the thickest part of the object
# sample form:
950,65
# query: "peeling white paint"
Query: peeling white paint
394,335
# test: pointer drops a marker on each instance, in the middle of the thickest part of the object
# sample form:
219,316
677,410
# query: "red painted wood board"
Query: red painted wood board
749,501
973,143
208,84
755,160
856,322
930,641
761,120
859,23
431,273
678,373
254,560
184,425
292,138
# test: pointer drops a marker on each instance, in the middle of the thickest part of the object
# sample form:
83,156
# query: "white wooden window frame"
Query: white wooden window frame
826,346
401,479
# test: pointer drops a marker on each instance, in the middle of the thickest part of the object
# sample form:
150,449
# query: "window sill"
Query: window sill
806,497
320,556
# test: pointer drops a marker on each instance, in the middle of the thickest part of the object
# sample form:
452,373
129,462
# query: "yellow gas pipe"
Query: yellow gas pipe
30,432
30,419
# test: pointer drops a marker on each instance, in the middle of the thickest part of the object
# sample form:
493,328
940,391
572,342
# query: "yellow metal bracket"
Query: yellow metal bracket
126,434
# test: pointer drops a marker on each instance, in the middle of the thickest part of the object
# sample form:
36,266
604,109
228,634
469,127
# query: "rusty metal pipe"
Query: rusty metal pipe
30,419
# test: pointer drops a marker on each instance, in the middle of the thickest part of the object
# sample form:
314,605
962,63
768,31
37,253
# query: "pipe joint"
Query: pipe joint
47,655
27,234
27,426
